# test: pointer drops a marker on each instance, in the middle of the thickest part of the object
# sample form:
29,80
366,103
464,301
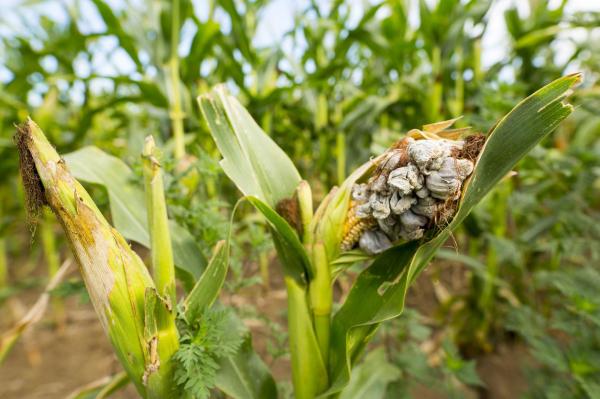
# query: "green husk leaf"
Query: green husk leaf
251,159
378,293
163,267
259,168
332,213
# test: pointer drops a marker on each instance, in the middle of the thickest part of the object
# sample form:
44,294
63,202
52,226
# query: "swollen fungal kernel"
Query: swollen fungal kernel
415,187
355,225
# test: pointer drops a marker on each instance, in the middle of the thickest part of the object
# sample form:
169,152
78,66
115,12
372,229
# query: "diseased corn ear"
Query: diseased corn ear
115,277
414,189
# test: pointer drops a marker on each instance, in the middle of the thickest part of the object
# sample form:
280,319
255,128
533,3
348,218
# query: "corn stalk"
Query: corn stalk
176,112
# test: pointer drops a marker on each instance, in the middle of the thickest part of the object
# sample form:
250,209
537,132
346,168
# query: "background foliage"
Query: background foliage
338,87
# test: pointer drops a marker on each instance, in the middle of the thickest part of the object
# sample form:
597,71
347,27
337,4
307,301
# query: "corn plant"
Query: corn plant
155,339
394,211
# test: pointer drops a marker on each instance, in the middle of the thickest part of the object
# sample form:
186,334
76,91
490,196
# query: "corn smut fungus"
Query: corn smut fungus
414,189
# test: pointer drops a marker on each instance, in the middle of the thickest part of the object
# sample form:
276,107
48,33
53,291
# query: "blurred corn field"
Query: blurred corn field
333,84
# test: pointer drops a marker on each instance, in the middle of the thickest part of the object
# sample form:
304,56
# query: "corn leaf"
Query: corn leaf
259,168
379,292
128,207
209,285
251,159
371,377
114,27
245,376
293,256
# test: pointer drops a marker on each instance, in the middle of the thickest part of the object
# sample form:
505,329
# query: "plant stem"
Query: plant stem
309,374
499,208
176,113
321,299
437,89
459,101
477,72
340,144
263,263
3,257
163,267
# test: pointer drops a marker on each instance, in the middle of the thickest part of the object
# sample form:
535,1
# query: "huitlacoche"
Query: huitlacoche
403,199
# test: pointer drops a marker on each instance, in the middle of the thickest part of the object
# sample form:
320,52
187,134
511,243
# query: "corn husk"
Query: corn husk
120,287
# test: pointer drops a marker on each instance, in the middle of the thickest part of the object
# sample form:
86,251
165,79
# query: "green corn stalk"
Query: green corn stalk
176,111
3,251
436,91
163,266
119,284
499,229
3,263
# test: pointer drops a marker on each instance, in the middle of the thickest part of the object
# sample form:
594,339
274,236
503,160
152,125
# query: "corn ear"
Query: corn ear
116,278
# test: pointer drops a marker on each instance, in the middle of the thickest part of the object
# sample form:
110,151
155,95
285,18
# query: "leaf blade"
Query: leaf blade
251,159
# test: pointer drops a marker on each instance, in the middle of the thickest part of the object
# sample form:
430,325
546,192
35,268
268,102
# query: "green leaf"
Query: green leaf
128,208
537,36
245,376
113,26
251,159
379,292
200,49
370,378
239,31
294,259
208,286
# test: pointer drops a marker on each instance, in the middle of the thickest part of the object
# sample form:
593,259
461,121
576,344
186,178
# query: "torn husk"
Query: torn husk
114,275
414,189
